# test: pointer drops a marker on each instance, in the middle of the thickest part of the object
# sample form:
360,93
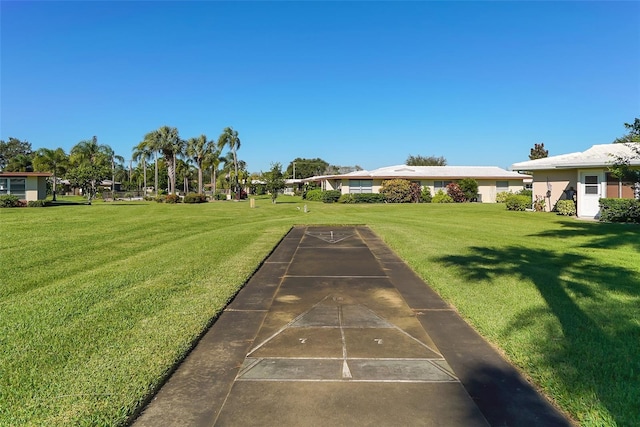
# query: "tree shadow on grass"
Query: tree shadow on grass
601,235
587,333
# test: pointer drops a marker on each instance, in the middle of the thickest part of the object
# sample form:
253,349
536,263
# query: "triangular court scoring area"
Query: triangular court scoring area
335,341
330,236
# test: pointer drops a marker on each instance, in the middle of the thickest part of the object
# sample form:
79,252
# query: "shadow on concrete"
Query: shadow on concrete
591,338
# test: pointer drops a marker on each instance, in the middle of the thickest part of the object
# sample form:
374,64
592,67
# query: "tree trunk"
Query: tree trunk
156,174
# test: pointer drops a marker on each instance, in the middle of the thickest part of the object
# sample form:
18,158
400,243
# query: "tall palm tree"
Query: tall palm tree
95,157
141,153
229,138
197,149
20,163
54,161
212,159
170,146
116,163
151,142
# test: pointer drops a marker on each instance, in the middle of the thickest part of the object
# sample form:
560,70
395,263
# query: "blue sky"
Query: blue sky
364,83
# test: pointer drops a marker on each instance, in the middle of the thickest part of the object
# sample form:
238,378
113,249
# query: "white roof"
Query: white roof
597,156
432,172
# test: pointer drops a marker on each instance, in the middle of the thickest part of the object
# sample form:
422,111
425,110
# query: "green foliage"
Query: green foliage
274,181
469,187
194,198
425,196
455,192
219,196
525,192
306,168
620,210
502,196
425,161
172,198
37,203
313,195
9,201
362,198
539,204
396,190
441,197
538,152
566,207
515,202
331,196
160,199
12,148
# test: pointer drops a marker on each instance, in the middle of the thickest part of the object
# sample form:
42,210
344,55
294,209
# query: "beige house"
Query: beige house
26,185
584,175
491,180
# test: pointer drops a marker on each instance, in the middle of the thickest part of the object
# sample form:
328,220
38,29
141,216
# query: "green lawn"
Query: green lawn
97,303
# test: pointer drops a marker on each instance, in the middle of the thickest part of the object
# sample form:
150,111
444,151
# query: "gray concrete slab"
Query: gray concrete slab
334,329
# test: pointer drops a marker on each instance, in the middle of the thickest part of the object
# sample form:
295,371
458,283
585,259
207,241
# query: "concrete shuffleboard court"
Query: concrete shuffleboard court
335,329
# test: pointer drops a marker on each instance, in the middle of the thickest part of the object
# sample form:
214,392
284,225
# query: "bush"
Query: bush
347,198
160,199
313,195
9,201
517,203
441,197
416,192
502,196
331,196
37,203
566,207
469,187
620,210
149,198
525,192
219,196
425,196
396,190
172,198
194,198
369,198
455,192
539,205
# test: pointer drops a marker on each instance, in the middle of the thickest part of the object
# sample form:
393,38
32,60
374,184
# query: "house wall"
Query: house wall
35,188
553,185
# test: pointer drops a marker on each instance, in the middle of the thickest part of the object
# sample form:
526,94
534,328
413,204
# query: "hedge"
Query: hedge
331,196
620,210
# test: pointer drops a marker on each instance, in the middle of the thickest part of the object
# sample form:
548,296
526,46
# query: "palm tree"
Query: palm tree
170,146
212,159
113,157
20,163
229,137
197,149
94,158
54,161
143,152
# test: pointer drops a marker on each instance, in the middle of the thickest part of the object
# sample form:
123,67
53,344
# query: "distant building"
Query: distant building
25,185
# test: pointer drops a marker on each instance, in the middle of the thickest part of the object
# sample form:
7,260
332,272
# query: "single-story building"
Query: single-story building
583,175
491,179
25,185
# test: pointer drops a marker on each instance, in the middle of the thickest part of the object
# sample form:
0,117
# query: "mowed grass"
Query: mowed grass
98,303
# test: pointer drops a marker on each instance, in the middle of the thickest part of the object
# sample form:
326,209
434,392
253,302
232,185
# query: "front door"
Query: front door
589,193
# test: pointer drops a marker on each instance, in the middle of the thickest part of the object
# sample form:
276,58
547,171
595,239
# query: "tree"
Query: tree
212,160
538,152
197,149
622,167
469,187
90,164
396,190
20,163
425,161
305,168
54,161
229,138
143,152
274,181
12,148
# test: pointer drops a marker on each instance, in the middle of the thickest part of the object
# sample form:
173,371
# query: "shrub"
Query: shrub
160,199
441,197
525,192
37,203
455,192
219,196
502,196
566,207
313,195
149,198
331,196
347,198
369,198
425,196
416,192
172,198
517,203
620,210
194,198
469,187
396,190
539,205
9,201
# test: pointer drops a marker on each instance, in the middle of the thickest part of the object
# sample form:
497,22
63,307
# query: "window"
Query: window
591,184
502,186
360,186
440,185
15,186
